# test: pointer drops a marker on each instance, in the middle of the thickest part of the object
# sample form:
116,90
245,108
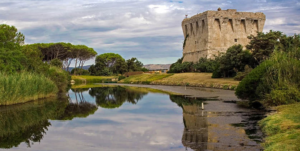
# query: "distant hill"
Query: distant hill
157,66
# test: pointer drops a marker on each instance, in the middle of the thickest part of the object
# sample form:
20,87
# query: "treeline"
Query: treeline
236,62
64,52
30,72
269,68
111,64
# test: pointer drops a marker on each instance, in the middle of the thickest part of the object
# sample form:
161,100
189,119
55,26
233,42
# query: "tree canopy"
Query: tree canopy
10,37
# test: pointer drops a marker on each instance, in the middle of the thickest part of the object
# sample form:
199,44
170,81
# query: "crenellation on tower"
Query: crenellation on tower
212,32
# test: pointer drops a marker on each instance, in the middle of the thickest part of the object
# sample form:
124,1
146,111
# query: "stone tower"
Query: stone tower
211,32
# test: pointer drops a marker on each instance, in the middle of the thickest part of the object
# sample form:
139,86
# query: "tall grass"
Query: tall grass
281,81
24,87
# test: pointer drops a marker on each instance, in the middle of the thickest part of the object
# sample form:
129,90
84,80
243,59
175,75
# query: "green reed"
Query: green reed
24,87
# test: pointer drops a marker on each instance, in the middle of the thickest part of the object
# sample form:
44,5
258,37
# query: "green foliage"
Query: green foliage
23,87
10,38
56,62
282,129
144,69
111,63
263,45
108,59
134,65
80,71
108,64
11,61
225,65
235,59
121,78
106,72
179,67
247,87
60,77
207,65
275,81
281,82
241,75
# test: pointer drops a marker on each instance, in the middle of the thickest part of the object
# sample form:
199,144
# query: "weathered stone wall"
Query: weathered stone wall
212,32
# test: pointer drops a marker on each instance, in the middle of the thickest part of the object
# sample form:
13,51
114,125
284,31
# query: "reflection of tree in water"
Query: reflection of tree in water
81,108
114,97
195,134
27,122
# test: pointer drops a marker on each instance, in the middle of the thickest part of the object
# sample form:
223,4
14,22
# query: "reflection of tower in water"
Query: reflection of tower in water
195,134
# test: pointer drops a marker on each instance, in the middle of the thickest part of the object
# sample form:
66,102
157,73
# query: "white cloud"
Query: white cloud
127,26
275,21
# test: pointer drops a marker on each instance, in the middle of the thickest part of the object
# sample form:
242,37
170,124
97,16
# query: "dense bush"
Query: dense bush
114,64
234,60
263,44
121,78
11,61
179,67
275,81
206,65
241,75
60,77
56,62
224,65
247,87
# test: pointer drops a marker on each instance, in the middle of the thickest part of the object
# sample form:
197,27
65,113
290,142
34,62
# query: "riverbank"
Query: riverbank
183,79
81,79
282,129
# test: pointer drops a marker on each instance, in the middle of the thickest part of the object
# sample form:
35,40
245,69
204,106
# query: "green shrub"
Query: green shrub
121,78
247,87
79,71
281,82
241,75
216,74
56,62
207,65
146,82
60,77
225,87
24,87
276,81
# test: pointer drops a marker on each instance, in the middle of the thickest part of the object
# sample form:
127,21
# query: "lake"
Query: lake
126,118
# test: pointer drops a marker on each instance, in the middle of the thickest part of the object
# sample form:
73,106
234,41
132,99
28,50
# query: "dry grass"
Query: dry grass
198,79
145,78
189,79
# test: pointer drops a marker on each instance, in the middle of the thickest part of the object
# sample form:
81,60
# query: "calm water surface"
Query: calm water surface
126,119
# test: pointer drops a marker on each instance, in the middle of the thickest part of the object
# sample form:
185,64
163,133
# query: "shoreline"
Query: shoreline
222,95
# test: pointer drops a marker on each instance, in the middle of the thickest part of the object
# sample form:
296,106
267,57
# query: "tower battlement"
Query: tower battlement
212,32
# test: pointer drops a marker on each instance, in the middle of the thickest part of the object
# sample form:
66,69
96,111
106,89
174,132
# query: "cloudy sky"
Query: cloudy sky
147,29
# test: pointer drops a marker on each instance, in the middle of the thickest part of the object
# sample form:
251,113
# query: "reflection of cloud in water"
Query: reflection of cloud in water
155,131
